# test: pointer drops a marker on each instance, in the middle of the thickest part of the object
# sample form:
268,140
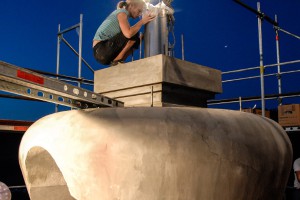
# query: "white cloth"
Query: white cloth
296,167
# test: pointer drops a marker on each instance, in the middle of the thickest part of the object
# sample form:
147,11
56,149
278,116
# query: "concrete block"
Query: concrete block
172,80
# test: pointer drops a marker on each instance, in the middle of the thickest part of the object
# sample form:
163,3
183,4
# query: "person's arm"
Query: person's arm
298,175
131,31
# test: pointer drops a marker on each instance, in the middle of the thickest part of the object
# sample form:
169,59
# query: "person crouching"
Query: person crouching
115,39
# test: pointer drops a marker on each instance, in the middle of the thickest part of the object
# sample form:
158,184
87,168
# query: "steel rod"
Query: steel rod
291,34
80,49
289,72
182,46
278,61
258,13
240,101
58,59
266,66
283,63
69,45
261,61
16,187
68,29
240,79
62,76
253,77
240,70
254,98
72,81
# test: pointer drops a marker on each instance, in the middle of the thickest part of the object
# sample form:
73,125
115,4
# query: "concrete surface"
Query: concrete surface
155,154
167,78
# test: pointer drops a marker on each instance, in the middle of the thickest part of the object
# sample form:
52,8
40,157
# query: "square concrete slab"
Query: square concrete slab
159,81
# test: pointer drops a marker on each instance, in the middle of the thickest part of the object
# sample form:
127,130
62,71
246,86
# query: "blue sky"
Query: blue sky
219,34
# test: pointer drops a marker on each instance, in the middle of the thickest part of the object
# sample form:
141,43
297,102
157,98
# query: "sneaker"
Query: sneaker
116,62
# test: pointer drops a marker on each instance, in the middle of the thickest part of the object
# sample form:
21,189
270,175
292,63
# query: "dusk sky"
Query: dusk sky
218,34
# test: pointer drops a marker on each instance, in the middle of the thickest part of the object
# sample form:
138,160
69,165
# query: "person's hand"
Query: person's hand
147,17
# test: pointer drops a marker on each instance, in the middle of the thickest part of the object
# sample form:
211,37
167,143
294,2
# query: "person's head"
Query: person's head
134,7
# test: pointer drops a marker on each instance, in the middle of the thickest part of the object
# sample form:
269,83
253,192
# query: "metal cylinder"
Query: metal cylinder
156,35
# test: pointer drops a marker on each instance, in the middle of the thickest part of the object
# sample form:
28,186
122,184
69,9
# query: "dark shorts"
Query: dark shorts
106,51
296,194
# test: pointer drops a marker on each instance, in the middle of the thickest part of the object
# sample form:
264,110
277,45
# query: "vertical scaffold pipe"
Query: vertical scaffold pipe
58,58
182,46
262,82
80,49
278,61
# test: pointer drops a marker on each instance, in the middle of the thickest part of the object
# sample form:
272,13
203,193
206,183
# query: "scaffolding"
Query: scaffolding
261,16
60,38
71,100
278,96
33,84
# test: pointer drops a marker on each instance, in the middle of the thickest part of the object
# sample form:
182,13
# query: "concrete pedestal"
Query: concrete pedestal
159,81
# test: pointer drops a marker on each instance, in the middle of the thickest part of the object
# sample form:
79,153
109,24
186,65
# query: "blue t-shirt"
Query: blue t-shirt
110,26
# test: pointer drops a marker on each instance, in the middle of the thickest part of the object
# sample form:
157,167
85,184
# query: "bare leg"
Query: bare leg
126,51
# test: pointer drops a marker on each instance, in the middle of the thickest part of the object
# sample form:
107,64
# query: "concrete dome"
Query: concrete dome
155,154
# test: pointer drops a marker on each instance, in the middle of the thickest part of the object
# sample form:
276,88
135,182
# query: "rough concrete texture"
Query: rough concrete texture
149,81
155,154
